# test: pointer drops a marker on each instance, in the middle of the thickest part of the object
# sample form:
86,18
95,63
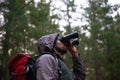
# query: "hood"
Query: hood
47,42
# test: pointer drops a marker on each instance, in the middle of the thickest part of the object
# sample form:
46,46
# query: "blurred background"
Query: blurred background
23,22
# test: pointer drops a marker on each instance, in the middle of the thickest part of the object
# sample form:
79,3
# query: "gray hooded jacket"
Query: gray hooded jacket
47,65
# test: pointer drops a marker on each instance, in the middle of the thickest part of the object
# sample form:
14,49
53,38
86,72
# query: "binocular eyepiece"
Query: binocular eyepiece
70,38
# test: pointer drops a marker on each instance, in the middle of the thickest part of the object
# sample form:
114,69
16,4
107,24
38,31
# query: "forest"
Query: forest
23,22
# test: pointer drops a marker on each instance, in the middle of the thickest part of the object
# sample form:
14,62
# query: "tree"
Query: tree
100,48
24,22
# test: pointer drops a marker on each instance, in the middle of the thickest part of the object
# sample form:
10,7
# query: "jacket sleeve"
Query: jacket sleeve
78,69
46,68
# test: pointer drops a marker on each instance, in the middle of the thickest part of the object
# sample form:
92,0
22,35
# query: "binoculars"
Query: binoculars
70,38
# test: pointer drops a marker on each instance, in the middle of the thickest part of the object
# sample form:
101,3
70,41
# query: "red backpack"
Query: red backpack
21,67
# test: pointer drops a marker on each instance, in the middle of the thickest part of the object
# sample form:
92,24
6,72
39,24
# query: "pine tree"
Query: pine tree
24,23
102,30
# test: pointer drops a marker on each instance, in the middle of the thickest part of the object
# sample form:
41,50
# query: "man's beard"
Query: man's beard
62,51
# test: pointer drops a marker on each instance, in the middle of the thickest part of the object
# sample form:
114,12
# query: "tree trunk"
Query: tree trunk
5,57
98,71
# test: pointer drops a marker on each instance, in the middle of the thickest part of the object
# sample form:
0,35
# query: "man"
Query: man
50,66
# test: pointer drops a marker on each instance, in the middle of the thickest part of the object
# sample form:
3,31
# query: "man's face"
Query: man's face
60,47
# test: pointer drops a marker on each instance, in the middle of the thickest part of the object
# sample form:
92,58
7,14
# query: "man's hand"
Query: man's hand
73,50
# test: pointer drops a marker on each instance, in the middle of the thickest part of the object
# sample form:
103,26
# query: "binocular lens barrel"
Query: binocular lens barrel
71,36
66,39
75,42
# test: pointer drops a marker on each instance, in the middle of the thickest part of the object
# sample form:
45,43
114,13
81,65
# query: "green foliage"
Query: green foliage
25,22
102,46
24,25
